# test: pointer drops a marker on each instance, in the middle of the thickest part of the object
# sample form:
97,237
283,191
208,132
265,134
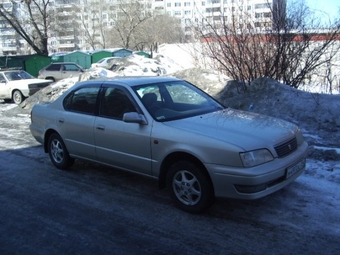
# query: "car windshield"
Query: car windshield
102,60
175,100
18,75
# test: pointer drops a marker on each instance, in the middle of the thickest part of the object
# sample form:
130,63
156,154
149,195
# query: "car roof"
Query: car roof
12,70
132,81
63,63
111,57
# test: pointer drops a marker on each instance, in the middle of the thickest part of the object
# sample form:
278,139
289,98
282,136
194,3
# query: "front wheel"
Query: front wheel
58,152
190,187
17,97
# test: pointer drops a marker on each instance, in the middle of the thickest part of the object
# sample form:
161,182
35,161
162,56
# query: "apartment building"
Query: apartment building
77,24
196,13
10,41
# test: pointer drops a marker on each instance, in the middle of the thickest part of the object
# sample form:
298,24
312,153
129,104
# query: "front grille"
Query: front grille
286,148
39,85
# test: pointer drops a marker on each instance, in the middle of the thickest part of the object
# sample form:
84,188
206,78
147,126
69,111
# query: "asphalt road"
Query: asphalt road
93,209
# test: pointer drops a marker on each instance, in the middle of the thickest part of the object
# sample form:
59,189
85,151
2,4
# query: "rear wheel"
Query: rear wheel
58,152
190,187
17,97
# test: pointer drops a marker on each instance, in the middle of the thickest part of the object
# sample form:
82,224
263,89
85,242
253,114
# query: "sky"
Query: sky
331,7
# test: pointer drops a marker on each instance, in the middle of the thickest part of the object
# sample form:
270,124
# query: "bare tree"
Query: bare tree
157,30
287,46
130,15
95,23
35,16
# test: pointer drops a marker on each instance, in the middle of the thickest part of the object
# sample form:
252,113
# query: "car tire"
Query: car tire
50,78
17,97
58,152
190,187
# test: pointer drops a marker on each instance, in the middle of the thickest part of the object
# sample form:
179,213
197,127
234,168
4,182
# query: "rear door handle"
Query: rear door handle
101,127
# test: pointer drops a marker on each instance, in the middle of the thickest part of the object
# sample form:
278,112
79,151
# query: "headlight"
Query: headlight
254,158
32,86
299,137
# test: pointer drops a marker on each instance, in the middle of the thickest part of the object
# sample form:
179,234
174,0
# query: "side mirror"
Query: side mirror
134,117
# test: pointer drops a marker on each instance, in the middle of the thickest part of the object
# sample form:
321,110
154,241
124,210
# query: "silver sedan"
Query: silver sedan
168,129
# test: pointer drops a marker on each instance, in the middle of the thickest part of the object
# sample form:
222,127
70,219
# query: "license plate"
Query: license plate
296,168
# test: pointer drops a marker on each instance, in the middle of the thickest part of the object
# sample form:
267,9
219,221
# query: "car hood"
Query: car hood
30,81
243,129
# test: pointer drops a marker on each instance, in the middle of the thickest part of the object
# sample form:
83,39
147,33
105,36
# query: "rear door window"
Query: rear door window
70,67
82,100
54,67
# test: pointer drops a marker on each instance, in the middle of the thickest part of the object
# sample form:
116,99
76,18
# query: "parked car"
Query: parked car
168,129
16,85
60,70
104,62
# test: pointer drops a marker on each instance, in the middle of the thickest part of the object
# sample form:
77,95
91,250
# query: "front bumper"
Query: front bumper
259,181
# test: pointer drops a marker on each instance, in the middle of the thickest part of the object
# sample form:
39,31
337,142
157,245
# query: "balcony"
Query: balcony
6,32
66,45
9,48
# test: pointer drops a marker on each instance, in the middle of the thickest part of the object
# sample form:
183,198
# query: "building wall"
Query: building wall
10,41
70,17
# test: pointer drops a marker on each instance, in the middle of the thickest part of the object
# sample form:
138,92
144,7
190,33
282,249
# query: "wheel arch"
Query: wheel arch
21,93
174,157
48,133
13,91
50,78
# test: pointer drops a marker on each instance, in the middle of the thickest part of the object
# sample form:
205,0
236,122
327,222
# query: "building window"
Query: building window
260,6
186,4
267,14
177,4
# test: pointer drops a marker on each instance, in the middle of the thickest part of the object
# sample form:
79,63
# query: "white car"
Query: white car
60,70
168,129
16,85
104,62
